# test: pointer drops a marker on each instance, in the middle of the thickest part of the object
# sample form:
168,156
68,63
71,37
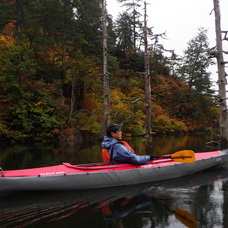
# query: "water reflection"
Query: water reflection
184,202
168,144
28,156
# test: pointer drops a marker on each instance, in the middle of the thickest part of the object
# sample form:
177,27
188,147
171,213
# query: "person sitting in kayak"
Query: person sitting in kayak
116,151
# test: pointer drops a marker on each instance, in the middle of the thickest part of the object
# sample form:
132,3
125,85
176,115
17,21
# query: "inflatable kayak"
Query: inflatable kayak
97,175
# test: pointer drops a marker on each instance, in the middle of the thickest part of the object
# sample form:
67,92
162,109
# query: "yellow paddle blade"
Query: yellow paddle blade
186,156
185,217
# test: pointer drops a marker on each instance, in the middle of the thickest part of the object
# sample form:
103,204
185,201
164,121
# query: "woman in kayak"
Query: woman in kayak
116,151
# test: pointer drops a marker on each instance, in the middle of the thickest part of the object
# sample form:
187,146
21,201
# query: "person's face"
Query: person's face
117,135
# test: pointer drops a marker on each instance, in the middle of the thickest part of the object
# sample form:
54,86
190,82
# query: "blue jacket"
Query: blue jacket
121,154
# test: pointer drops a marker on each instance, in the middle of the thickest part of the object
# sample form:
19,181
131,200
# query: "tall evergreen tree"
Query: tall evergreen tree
88,17
196,62
124,32
132,7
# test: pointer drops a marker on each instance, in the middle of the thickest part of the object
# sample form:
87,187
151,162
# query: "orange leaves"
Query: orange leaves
39,102
118,99
7,41
89,102
67,131
156,109
7,36
177,107
9,29
53,55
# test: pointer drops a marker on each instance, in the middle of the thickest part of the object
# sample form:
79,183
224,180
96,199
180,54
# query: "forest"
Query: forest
51,73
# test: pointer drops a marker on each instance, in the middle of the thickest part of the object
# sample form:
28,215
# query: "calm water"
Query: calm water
200,200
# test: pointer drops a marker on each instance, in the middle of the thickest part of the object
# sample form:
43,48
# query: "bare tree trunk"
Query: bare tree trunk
64,40
221,76
106,119
72,100
147,85
134,27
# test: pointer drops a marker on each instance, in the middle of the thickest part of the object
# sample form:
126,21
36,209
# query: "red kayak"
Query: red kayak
88,176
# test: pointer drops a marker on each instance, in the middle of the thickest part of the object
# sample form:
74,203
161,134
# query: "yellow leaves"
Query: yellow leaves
120,107
7,41
119,100
54,55
39,102
38,108
7,38
163,123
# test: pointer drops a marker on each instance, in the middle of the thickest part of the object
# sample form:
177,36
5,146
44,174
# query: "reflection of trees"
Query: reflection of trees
21,156
90,154
73,211
210,204
161,213
225,204
151,216
203,199
28,156
168,144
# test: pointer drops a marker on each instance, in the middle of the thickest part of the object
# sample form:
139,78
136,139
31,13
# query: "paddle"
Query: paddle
185,156
185,217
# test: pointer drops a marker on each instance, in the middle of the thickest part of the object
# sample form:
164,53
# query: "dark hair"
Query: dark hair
112,128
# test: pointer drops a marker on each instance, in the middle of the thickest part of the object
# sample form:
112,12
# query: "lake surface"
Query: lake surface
200,200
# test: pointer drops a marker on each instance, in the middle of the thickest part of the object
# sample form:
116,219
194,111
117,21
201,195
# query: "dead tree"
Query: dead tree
223,120
147,83
106,119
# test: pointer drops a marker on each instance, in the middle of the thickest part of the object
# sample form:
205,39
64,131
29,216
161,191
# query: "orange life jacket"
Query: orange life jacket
105,153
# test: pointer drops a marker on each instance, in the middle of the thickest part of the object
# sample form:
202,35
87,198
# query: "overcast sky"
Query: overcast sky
180,19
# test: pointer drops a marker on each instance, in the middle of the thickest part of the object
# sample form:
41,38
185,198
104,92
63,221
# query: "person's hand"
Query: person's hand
152,157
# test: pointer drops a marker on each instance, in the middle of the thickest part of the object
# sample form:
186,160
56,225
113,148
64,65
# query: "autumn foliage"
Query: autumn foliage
51,79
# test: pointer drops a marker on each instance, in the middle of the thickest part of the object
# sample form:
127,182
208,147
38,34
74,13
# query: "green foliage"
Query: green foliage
32,115
85,122
195,63
136,126
128,25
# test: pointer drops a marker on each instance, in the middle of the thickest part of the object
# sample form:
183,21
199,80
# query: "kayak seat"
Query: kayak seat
2,171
